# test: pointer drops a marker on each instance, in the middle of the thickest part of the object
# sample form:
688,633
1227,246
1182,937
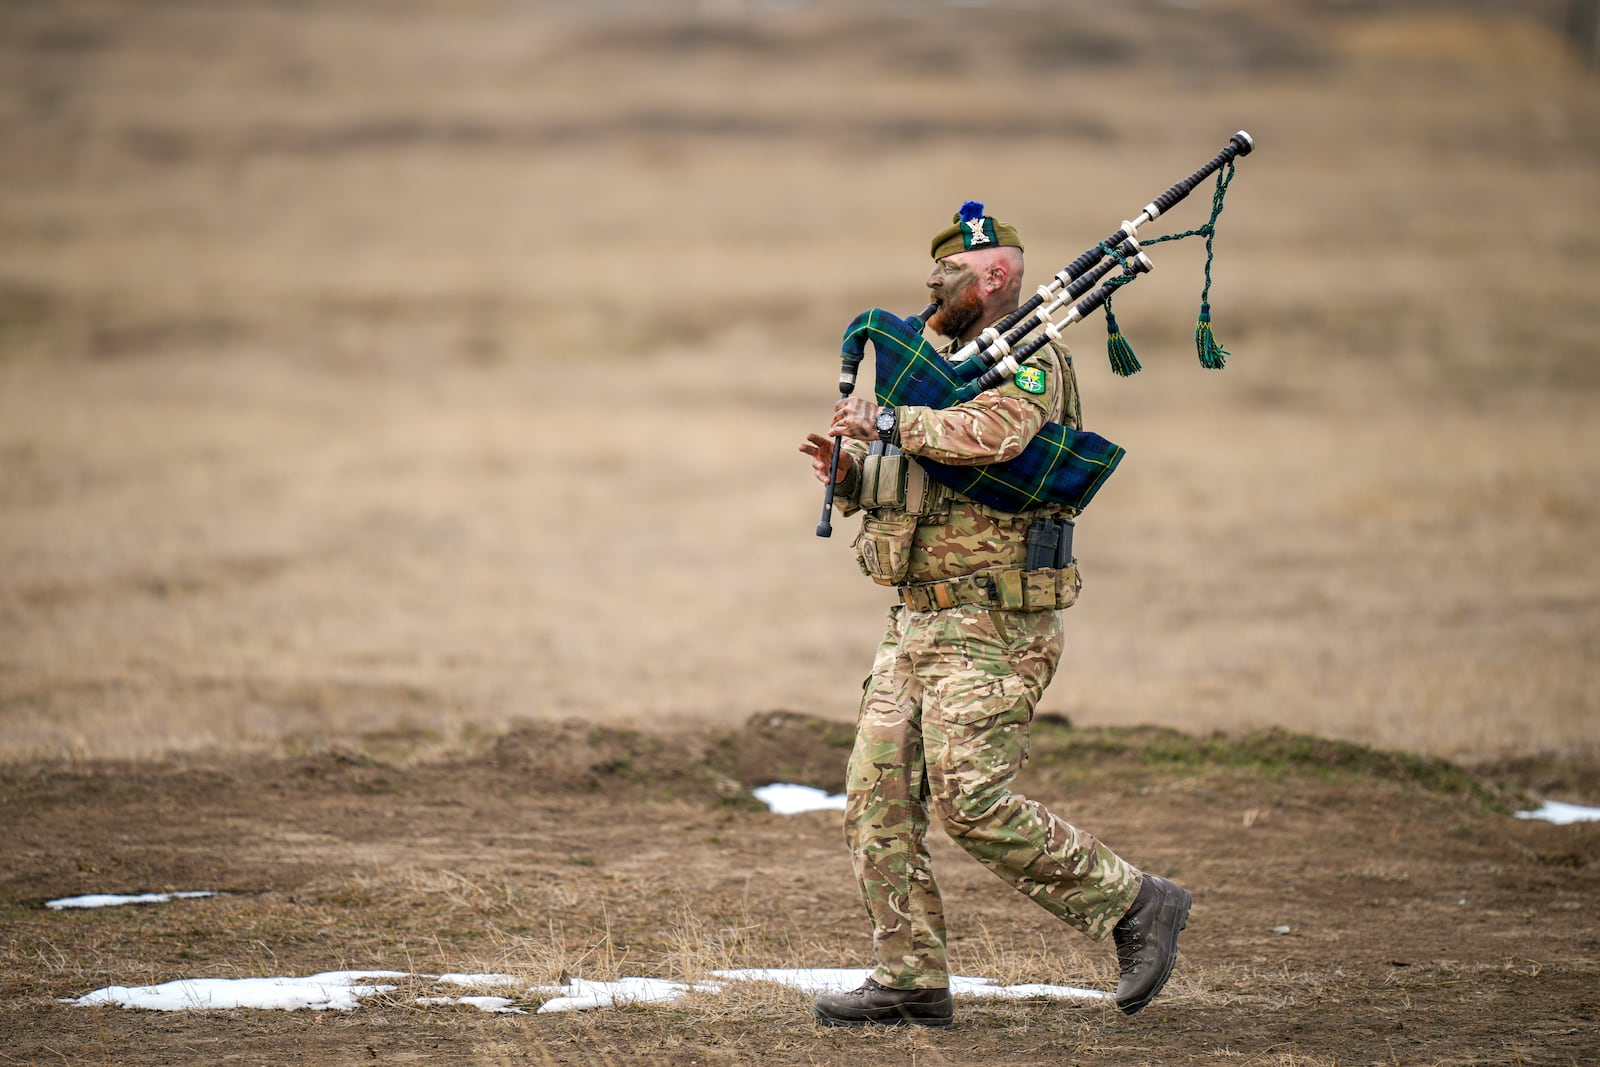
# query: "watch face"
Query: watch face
886,420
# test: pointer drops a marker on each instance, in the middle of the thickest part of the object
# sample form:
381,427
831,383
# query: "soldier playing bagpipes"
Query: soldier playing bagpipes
981,557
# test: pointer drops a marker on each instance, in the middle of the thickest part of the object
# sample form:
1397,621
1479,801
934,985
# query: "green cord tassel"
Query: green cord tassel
1123,361
1212,355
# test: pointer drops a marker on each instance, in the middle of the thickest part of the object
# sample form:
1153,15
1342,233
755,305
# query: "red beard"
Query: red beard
959,315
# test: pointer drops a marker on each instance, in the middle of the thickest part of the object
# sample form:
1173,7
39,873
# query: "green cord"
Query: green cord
1212,355
1118,350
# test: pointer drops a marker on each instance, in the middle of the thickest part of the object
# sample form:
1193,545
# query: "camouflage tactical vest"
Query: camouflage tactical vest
916,530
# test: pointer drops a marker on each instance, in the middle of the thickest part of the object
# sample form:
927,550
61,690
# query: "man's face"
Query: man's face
954,284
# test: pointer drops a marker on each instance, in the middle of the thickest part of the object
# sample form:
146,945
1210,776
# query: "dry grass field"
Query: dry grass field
431,367
383,382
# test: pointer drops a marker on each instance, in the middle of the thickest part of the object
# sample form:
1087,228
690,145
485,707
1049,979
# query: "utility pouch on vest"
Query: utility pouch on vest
1029,590
883,547
1044,537
890,479
883,477
1041,589
1064,544
1049,544
1069,581
923,495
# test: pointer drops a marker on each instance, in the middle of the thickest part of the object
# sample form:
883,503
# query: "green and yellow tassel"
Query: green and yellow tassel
1212,355
1120,352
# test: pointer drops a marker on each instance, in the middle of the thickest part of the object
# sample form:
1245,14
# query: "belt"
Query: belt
1012,589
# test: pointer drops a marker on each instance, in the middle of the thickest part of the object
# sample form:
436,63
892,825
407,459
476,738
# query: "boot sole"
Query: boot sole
1184,902
899,1019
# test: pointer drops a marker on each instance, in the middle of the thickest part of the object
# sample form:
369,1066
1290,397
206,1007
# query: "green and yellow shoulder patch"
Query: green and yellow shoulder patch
1030,379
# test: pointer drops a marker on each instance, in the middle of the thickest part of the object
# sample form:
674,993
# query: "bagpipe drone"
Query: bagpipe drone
1060,466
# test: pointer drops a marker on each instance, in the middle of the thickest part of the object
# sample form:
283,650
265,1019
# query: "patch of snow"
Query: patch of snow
336,990
842,979
1561,814
343,990
788,799
111,900
479,979
987,987
806,980
494,1005
581,994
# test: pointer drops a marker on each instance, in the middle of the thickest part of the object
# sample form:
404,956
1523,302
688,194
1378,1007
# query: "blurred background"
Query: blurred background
400,371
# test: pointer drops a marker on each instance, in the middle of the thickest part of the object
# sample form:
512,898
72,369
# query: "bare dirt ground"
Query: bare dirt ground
400,521
1423,924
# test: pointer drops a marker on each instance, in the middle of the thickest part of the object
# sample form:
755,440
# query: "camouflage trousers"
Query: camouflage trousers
942,732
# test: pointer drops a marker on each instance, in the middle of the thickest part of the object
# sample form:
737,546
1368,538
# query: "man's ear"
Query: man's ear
994,279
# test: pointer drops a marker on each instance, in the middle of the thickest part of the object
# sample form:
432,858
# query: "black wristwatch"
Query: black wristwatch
886,425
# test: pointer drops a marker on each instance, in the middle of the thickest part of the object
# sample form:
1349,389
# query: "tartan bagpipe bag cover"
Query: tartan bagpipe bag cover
1060,466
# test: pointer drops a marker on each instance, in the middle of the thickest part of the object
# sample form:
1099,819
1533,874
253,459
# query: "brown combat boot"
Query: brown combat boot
874,1003
1147,941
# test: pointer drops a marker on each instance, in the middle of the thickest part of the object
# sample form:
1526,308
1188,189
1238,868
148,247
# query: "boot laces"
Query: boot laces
1131,945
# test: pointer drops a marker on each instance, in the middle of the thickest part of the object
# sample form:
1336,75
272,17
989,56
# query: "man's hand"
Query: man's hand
855,416
820,449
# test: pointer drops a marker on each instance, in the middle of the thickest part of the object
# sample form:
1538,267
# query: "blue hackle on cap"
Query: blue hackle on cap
972,209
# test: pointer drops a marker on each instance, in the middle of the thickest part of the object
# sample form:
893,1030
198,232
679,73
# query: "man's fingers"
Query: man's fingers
820,449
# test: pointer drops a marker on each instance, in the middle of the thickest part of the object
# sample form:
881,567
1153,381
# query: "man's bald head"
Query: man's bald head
997,267
973,289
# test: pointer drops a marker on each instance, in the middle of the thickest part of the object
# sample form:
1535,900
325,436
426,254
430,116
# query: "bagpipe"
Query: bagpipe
1060,466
